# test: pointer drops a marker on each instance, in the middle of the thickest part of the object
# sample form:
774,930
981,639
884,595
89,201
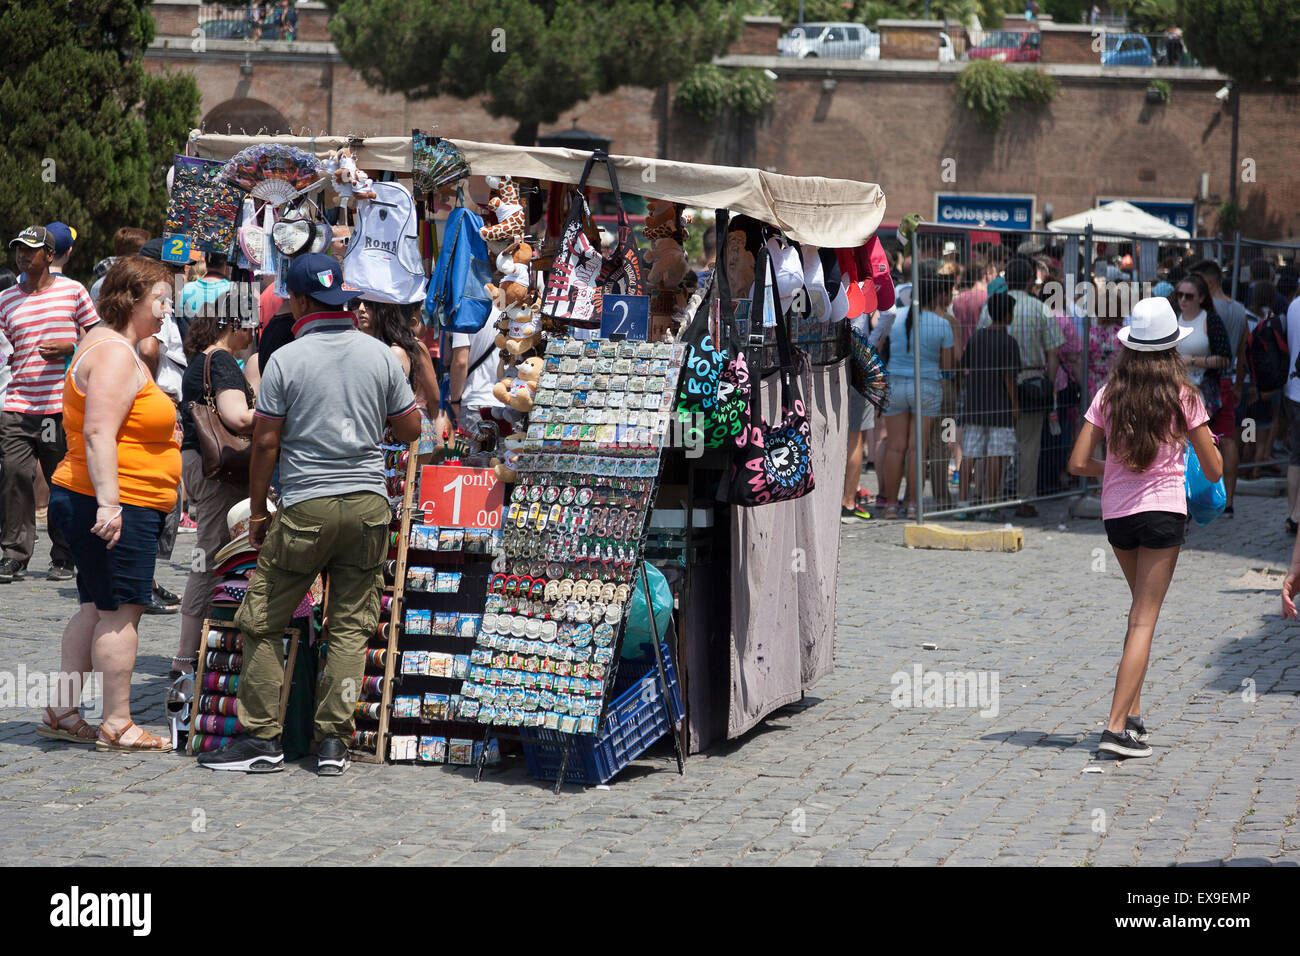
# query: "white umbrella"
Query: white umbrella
1116,220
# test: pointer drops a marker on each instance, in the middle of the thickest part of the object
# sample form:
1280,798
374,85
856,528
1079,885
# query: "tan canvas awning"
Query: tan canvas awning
824,212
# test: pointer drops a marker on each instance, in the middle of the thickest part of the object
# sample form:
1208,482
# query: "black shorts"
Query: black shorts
1147,529
108,578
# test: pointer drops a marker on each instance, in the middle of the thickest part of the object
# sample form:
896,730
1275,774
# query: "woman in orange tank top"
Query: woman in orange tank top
109,497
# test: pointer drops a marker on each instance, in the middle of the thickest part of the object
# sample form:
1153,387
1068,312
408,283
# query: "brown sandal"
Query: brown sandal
144,743
52,728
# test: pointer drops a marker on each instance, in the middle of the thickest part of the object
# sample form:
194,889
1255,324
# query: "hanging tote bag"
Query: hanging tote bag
226,456
1206,500
623,272
713,389
773,463
571,295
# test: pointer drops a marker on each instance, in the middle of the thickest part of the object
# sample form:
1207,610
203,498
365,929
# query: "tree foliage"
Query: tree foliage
1256,42
992,89
708,91
87,134
530,60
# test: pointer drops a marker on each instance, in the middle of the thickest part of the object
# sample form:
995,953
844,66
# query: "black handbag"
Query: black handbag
226,455
1035,394
772,462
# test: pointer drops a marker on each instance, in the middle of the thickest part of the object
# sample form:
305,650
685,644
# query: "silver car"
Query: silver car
830,41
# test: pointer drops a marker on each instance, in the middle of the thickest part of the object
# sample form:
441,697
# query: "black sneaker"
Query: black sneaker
1133,724
247,754
11,570
1123,745
61,571
332,757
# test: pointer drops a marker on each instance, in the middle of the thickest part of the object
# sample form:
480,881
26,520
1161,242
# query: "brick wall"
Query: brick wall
904,40
891,125
1097,138
759,36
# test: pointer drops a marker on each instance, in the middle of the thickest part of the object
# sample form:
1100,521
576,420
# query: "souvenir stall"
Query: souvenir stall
661,442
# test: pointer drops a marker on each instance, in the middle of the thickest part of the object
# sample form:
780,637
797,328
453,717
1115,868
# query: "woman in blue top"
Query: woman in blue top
935,341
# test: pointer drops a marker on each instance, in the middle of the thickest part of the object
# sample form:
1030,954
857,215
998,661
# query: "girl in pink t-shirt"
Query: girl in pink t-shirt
1147,412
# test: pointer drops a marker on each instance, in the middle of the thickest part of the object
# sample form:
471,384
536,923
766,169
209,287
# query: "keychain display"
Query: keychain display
572,535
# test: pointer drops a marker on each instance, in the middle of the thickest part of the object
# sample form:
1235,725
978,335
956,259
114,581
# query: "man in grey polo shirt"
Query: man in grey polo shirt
322,406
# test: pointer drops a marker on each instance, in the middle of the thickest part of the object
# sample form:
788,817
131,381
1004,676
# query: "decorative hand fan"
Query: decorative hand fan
274,172
436,163
868,374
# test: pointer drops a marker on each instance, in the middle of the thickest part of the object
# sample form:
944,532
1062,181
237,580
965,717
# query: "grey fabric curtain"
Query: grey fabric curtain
785,567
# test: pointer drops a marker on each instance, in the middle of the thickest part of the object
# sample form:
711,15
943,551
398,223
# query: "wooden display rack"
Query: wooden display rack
396,612
293,636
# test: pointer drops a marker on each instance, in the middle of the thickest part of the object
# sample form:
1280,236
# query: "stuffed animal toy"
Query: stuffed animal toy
513,294
661,221
520,334
348,181
519,390
504,466
507,208
668,265
739,262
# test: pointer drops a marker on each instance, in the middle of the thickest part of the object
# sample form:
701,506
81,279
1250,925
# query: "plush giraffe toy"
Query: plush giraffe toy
509,212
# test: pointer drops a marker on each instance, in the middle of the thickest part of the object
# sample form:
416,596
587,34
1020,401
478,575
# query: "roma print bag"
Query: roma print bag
572,296
713,394
773,462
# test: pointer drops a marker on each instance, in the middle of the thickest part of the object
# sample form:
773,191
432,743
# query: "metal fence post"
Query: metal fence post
919,450
1085,399
1236,261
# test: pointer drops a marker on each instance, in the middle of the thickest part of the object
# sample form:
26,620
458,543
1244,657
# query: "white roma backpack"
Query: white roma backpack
383,257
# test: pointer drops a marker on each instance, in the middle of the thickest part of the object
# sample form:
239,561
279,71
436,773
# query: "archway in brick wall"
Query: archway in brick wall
245,115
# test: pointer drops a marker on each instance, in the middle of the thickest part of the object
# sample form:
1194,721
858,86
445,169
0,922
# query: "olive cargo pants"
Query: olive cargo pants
345,536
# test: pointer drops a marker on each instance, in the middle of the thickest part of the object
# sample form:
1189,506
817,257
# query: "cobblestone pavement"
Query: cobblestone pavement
845,777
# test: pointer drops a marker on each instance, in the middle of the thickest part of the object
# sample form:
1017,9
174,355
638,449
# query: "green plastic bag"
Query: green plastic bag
637,638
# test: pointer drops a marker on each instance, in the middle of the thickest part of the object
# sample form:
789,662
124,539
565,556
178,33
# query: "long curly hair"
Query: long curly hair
1144,405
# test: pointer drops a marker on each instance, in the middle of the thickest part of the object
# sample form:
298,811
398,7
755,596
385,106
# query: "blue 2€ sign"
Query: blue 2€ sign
627,315
176,249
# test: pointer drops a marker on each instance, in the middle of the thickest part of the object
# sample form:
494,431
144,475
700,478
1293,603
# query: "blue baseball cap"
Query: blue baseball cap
319,276
64,236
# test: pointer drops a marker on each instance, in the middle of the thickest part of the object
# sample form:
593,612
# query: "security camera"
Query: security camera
1224,92
770,75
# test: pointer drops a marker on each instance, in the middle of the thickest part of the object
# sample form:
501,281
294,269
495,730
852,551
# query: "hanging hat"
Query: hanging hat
814,281
878,271
789,270
1153,327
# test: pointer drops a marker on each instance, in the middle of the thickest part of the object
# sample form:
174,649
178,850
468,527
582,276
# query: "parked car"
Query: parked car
1127,49
947,54
1008,46
830,41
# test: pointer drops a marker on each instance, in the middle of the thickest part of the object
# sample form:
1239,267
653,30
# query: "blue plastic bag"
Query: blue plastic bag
1205,499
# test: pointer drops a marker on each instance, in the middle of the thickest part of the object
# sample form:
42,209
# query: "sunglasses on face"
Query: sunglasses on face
1188,295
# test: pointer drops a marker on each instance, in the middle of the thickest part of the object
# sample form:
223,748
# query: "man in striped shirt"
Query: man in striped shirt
43,317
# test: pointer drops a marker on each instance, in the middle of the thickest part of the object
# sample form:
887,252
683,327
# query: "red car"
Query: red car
1008,46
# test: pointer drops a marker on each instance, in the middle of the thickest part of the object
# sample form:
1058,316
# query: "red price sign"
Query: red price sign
452,497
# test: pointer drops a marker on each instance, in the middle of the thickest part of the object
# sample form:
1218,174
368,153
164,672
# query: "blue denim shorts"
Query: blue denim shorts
902,397
109,578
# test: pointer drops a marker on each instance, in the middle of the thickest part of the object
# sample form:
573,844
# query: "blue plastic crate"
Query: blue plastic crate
637,718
